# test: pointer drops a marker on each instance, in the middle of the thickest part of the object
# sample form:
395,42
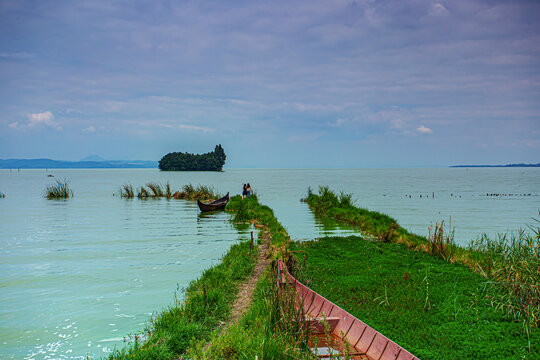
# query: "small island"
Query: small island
178,161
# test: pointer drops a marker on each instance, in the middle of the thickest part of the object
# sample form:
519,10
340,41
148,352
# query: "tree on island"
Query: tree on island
178,161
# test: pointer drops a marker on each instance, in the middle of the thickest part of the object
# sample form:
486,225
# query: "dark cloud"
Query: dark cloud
366,73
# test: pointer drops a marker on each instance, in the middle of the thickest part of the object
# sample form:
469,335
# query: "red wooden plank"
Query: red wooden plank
378,346
365,341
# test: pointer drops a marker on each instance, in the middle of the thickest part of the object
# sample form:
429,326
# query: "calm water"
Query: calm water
77,276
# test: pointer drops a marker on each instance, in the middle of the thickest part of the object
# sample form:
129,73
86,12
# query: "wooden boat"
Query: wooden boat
364,342
218,204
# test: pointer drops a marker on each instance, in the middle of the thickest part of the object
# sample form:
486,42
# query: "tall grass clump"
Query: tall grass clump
152,190
143,193
441,245
168,191
192,192
155,190
126,191
512,263
59,190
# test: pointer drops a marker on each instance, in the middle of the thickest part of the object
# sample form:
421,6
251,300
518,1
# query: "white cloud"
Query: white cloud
35,120
424,130
89,129
46,118
438,9
195,128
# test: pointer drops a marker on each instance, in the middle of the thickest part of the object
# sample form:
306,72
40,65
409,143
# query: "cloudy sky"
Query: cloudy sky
314,83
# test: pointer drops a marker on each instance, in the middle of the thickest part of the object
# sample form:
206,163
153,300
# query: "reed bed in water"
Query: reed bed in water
192,192
59,190
154,190
150,190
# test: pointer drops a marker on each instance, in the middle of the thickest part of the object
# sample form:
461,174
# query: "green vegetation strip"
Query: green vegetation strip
207,302
267,331
511,264
435,309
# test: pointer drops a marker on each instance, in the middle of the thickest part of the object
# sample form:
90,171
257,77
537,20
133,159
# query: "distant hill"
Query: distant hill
59,164
508,165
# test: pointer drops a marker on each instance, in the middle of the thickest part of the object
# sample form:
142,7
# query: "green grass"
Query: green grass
207,302
192,322
435,309
59,190
266,331
513,262
513,265
250,210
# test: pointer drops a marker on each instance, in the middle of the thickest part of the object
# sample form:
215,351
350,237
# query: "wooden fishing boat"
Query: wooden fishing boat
331,327
218,204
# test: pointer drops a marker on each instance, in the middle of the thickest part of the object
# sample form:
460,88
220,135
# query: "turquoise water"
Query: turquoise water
77,276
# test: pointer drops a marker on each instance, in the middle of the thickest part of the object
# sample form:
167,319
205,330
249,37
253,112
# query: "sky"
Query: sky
280,84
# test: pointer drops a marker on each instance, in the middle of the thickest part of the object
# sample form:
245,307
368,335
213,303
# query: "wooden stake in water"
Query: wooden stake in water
251,244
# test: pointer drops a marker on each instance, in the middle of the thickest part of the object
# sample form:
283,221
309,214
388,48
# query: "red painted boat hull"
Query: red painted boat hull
365,342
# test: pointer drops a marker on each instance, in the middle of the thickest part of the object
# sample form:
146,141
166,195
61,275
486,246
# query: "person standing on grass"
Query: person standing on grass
248,189
244,191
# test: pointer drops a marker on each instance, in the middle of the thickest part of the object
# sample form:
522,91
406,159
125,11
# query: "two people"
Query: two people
246,190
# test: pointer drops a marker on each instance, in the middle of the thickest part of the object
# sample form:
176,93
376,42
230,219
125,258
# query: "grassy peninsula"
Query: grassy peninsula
206,304
197,325
437,300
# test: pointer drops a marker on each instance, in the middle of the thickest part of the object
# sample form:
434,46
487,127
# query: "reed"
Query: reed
191,192
126,191
512,263
168,191
155,189
143,193
59,190
441,245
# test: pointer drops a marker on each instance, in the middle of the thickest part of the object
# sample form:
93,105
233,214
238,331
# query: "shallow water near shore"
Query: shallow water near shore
78,275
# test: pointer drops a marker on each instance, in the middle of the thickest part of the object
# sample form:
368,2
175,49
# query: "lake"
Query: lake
77,276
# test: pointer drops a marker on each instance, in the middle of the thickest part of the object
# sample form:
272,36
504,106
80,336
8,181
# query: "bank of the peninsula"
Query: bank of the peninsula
435,306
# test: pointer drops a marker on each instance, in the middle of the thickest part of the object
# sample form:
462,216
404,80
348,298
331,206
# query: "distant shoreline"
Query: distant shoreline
497,166
59,164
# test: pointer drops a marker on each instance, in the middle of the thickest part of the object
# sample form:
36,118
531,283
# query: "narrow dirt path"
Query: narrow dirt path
245,294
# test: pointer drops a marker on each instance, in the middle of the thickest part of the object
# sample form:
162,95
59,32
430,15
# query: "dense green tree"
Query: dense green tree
178,161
